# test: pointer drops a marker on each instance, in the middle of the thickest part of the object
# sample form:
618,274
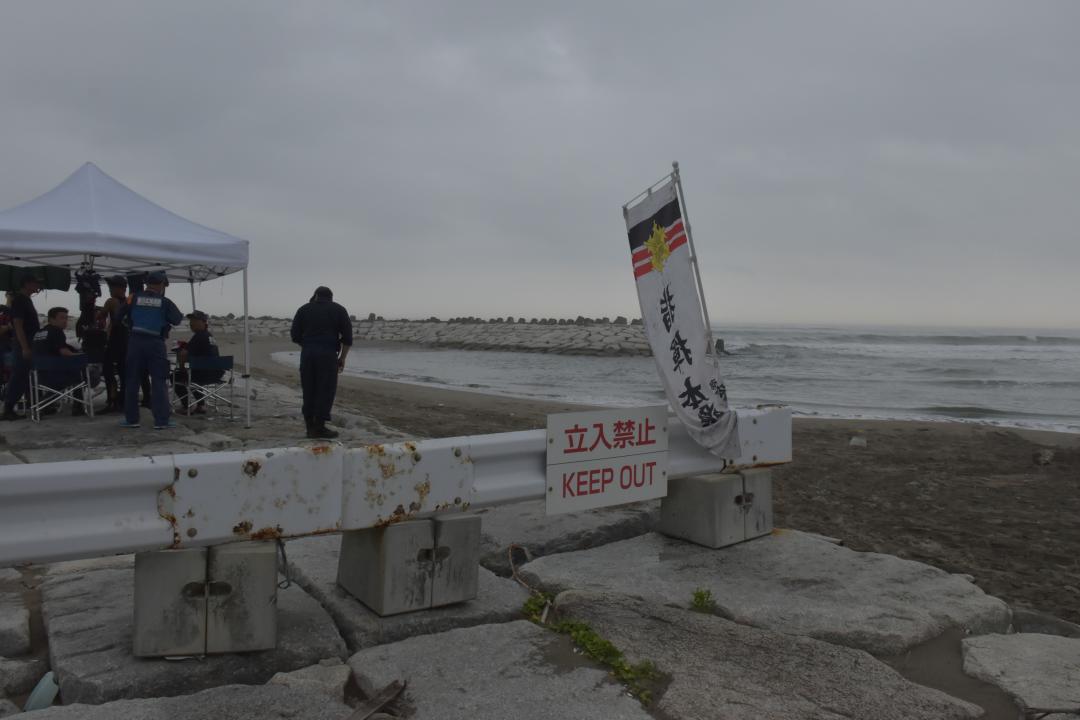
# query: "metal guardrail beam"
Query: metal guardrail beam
70,510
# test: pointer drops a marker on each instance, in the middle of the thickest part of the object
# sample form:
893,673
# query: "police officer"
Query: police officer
149,315
323,331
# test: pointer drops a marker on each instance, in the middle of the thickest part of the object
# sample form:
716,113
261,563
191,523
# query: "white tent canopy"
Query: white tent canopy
92,221
91,215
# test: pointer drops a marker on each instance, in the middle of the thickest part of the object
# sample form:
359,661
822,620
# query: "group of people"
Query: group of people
123,341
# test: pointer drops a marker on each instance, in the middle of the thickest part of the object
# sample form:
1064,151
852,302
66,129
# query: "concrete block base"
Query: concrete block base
412,565
718,510
206,600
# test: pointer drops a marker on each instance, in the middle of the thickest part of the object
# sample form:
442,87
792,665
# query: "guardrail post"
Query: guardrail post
718,509
412,565
204,601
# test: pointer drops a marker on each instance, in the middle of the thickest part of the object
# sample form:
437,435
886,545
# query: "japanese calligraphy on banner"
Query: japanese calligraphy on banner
671,310
607,457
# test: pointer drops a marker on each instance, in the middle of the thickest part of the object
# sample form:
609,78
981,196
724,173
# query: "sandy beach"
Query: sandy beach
964,497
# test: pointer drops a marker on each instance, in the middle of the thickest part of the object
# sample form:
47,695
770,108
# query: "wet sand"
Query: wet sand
966,498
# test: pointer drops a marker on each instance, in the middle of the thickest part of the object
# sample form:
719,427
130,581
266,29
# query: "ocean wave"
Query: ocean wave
1006,340
991,383
978,411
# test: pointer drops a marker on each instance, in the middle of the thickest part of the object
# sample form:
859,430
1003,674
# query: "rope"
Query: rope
284,568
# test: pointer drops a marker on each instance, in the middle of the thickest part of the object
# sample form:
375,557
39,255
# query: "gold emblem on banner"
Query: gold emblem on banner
658,247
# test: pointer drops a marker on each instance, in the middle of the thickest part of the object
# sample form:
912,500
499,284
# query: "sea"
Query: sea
1006,377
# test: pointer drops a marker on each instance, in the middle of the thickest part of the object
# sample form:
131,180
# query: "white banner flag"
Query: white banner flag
674,321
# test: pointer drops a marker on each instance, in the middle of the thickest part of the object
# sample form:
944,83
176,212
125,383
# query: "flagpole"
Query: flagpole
693,256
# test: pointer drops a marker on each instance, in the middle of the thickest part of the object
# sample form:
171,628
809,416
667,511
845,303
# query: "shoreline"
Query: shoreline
480,410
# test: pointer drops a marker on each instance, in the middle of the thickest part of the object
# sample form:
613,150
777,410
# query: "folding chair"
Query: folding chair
212,392
43,396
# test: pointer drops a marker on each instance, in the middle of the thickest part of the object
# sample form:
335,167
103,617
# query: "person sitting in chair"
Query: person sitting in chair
201,344
51,341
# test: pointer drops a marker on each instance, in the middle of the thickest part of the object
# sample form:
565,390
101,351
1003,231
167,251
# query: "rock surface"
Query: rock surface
526,525
313,563
594,338
1026,620
1038,670
719,668
512,670
14,626
8,708
88,620
329,676
18,676
10,575
232,702
789,582
8,458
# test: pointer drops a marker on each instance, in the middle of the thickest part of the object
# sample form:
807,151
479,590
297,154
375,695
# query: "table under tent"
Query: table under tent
91,222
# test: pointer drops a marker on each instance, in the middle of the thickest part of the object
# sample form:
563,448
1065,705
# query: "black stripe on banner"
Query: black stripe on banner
664,217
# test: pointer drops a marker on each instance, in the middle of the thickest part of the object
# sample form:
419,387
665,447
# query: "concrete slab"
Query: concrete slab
789,582
313,563
9,458
719,668
1026,620
512,670
525,524
14,625
109,562
88,620
1039,671
329,677
232,702
18,676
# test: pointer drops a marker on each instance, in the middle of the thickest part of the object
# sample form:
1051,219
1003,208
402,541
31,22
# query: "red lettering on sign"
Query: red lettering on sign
645,433
582,483
571,445
608,476
651,464
566,489
600,437
624,433
626,477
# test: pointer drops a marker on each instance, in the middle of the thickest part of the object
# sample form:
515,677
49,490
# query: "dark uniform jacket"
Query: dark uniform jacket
322,325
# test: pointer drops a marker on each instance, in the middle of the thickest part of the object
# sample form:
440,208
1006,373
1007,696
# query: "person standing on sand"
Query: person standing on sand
323,331
149,315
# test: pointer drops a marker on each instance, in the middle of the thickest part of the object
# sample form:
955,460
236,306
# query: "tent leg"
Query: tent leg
191,282
247,357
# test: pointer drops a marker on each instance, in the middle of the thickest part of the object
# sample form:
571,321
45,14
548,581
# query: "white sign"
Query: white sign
672,313
607,457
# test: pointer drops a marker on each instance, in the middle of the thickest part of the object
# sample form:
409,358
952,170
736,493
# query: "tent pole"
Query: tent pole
191,282
247,355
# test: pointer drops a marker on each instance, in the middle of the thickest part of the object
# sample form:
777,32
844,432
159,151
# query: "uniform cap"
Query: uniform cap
198,315
157,278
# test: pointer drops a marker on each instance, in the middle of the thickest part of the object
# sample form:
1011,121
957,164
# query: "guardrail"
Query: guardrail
71,510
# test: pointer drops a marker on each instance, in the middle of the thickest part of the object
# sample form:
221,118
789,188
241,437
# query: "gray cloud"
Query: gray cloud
844,161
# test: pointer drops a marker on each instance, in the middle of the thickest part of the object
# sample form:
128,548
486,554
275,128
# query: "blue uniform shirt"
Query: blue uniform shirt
150,314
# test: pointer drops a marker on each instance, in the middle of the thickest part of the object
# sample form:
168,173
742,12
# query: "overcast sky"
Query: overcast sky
844,162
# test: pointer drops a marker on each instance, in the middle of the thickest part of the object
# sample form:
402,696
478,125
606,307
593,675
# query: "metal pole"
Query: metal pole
693,256
191,282
247,357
